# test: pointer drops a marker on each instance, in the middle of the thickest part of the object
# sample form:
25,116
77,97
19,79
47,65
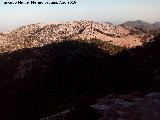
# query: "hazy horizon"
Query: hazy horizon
115,11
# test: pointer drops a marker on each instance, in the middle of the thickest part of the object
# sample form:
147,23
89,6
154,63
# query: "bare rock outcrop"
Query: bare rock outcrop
117,107
129,107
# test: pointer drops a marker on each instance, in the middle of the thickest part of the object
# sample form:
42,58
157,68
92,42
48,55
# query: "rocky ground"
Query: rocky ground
133,106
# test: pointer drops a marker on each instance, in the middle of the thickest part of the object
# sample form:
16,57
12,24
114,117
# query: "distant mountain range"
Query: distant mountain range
143,25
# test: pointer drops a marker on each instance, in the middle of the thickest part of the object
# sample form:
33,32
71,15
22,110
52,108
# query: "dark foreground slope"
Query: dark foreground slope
139,65
42,81
39,81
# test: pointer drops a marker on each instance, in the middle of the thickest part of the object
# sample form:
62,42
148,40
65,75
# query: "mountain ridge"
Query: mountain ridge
146,26
36,35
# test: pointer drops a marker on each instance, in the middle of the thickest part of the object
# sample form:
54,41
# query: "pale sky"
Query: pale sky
115,11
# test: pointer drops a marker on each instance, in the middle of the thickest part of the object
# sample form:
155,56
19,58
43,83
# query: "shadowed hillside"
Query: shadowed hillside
139,65
42,81
38,81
